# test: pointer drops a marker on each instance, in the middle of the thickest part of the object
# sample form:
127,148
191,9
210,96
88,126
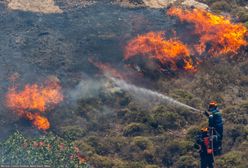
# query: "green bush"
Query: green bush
207,1
137,115
246,24
151,166
243,16
230,160
182,94
134,129
101,161
142,142
102,146
221,6
174,149
72,132
237,114
168,120
186,162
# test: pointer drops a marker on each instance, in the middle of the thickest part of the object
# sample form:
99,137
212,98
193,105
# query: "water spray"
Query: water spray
147,92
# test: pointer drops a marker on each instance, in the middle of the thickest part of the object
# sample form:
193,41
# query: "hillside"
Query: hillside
82,82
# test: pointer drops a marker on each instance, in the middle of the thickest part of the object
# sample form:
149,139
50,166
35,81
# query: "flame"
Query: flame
35,98
222,35
153,45
39,121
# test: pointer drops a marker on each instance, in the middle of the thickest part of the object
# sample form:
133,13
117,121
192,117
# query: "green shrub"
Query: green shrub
207,1
72,132
237,115
187,162
234,135
101,161
82,145
181,146
221,6
102,146
230,160
173,149
182,94
243,16
151,166
246,24
142,142
136,165
138,116
169,120
134,129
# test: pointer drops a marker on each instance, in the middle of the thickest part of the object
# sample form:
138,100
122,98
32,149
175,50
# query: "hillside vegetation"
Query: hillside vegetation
113,130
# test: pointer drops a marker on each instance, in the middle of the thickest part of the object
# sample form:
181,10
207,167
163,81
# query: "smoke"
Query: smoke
87,88
149,95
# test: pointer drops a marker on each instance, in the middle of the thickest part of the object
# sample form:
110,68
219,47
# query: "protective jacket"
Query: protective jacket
217,122
203,144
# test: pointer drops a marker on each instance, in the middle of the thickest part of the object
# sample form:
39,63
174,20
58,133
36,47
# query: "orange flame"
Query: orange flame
39,121
153,45
218,31
34,98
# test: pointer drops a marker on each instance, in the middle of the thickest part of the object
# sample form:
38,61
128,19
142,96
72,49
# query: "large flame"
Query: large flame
217,31
34,100
153,45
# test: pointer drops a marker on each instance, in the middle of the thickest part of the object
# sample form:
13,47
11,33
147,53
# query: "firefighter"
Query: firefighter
205,147
215,122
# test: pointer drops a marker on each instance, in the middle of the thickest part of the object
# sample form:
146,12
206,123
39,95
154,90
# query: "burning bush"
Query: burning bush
217,35
34,100
153,45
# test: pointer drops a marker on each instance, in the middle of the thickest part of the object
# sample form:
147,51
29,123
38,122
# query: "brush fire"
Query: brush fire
217,36
153,45
33,101
217,31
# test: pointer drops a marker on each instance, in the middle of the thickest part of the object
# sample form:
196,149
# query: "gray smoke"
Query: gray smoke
142,93
87,88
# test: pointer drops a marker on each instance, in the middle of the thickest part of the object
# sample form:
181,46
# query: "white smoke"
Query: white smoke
87,88
142,93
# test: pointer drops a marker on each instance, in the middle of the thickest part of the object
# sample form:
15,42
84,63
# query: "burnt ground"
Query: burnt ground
36,45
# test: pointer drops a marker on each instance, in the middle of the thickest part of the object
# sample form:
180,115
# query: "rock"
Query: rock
158,3
193,3
44,6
